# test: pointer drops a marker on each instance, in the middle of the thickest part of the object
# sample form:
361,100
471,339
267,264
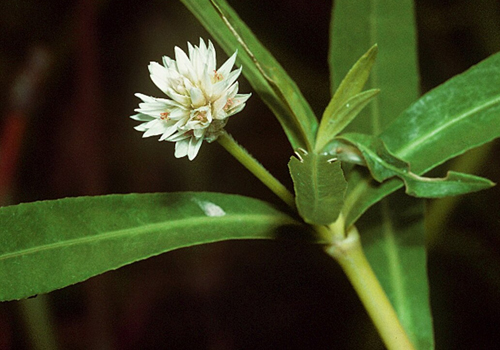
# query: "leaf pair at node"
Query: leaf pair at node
348,100
318,178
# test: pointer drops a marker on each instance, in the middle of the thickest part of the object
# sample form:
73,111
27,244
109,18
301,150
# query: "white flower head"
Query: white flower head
199,100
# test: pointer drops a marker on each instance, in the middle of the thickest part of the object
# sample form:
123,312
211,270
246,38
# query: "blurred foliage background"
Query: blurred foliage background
68,71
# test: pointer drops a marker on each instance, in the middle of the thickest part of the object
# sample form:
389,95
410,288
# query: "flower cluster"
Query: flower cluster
200,99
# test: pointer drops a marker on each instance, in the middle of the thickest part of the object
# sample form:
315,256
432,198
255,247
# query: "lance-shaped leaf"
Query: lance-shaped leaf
340,111
452,185
264,73
384,165
360,24
52,244
319,187
458,115
461,114
335,122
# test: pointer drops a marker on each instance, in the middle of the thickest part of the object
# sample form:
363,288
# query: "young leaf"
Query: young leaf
332,123
383,165
52,244
261,69
359,24
354,80
319,187
335,122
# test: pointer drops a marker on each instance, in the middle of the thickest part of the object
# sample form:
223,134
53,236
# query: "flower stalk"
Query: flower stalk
249,162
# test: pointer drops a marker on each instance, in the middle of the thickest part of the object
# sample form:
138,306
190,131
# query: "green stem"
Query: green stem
38,322
349,254
256,168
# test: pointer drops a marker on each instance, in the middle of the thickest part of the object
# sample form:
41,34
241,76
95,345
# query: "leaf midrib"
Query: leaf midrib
394,264
315,182
391,249
167,225
413,146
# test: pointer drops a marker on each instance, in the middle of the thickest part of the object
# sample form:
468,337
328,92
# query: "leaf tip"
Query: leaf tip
372,52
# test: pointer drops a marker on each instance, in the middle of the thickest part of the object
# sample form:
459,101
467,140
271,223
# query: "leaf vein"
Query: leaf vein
145,229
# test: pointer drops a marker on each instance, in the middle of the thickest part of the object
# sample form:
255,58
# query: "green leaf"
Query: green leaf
384,165
264,73
452,185
394,244
334,123
319,187
392,232
335,118
359,24
459,115
52,244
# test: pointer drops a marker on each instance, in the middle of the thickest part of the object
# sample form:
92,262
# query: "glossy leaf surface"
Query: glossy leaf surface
461,114
319,187
261,69
52,244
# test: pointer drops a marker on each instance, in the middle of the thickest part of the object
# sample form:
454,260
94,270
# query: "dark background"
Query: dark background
78,140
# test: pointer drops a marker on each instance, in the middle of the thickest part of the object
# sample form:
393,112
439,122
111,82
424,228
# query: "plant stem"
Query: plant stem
349,254
249,162
38,322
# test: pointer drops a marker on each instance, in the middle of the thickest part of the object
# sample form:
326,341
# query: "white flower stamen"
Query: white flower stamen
200,99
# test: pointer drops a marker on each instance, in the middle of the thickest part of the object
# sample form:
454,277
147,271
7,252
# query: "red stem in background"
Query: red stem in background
22,101
10,148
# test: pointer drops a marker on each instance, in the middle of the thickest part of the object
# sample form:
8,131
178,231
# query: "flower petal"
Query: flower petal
238,104
231,78
181,148
144,98
144,126
142,117
155,129
228,65
181,135
194,147
184,65
220,87
181,99
178,114
168,62
210,58
235,109
197,98
169,131
159,75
